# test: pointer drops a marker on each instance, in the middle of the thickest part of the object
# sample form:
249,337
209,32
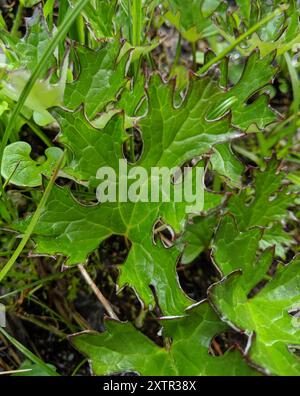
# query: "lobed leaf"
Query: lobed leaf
171,134
20,169
123,348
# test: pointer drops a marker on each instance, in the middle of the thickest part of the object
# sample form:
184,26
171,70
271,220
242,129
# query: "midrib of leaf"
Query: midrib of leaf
61,33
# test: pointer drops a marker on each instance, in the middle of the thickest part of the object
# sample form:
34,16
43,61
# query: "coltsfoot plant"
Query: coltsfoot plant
150,150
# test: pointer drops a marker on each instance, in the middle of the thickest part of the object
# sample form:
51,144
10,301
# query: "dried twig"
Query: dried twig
99,295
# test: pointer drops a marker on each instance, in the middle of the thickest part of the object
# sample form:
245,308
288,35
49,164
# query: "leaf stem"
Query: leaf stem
42,325
39,133
61,33
33,221
230,40
248,154
240,39
177,55
194,53
99,295
18,20
80,29
136,14
131,147
295,82
48,12
136,29
78,367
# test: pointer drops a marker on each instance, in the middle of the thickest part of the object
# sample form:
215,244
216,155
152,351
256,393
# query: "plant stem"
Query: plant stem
42,325
97,292
217,183
2,22
131,147
33,222
129,21
240,39
17,21
295,82
136,28
230,40
262,144
48,12
248,154
177,55
39,133
80,29
78,367
136,17
60,34
194,55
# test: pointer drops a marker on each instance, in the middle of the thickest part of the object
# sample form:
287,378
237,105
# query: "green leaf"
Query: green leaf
45,93
31,47
100,15
225,163
138,51
132,102
257,73
245,8
280,33
100,78
29,3
42,97
211,200
53,43
278,237
197,237
236,250
266,47
77,230
273,29
265,317
20,169
3,107
268,204
132,98
171,135
209,6
267,207
123,348
36,370
143,265
193,22
90,148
